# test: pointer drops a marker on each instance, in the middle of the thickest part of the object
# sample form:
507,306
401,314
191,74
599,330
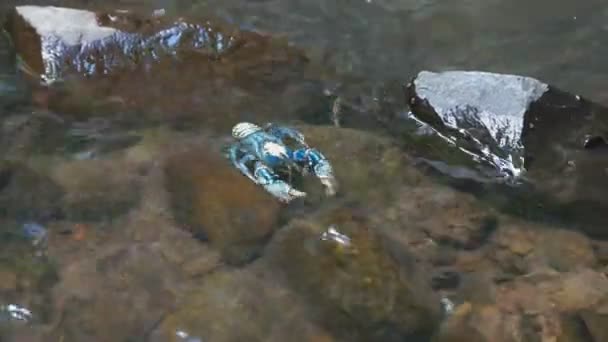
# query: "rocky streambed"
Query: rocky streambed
470,203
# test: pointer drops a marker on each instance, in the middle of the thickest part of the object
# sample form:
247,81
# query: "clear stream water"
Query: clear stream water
563,43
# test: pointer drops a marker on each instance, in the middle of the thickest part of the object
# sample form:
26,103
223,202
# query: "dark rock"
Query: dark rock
446,279
28,195
13,90
484,110
212,200
573,329
519,119
358,283
517,124
595,321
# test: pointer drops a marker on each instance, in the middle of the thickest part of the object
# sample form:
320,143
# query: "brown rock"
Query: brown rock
520,247
518,241
24,134
96,43
8,280
358,283
367,165
544,306
240,306
163,68
201,264
215,202
130,279
97,188
449,217
578,290
491,324
483,323
457,328
27,194
566,250
596,323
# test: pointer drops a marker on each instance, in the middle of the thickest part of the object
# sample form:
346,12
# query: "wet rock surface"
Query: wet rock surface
369,264
149,233
366,164
23,134
486,109
96,189
238,306
57,41
537,307
490,108
462,224
25,194
217,204
130,66
518,123
346,268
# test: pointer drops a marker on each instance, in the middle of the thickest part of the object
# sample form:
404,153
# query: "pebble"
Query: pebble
35,232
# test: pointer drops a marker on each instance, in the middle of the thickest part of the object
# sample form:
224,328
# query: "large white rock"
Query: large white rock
496,102
71,26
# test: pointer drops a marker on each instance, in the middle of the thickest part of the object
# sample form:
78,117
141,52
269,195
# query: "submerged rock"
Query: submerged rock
538,307
56,42
26,133
358,283
216,203
96,189
596,320
27,195
239,306
110,292
367,165
162,68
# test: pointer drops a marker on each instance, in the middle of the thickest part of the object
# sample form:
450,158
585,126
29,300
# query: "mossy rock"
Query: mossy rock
217,204
357,280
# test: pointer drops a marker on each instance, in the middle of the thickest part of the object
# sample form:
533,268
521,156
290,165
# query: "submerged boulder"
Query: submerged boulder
56,42
25,194
160,67
216,203
359,283
239,305
543,306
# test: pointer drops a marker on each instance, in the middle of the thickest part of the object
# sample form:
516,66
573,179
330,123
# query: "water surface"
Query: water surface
121,253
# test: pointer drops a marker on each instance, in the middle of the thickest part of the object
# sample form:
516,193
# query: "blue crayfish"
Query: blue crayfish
262,154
